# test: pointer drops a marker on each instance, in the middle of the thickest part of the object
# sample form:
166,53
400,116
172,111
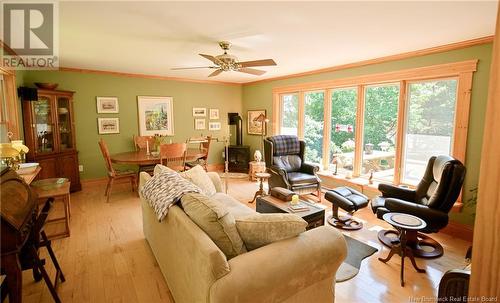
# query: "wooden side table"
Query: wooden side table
405,224
256,167
57,188
261,192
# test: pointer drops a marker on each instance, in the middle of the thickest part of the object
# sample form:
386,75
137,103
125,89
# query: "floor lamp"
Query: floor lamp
263,122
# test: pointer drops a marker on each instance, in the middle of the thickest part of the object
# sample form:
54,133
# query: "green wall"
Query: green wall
186,95
259,96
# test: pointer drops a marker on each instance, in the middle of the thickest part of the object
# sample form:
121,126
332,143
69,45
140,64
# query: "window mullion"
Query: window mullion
302,113
358,136
327,119
400,135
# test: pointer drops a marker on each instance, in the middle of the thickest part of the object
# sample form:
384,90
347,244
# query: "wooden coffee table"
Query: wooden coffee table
315,216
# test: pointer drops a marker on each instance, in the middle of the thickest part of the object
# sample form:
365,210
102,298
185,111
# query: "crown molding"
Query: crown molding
145,76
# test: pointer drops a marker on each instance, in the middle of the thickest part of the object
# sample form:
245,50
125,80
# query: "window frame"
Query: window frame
462,71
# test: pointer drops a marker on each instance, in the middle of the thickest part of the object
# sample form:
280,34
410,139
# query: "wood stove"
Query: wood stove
239,154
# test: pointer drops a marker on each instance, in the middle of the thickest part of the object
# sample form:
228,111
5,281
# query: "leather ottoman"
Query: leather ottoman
348,199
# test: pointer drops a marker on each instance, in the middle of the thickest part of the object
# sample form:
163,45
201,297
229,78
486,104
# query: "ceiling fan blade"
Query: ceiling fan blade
195,67
252,71
215,73
211,58
264,62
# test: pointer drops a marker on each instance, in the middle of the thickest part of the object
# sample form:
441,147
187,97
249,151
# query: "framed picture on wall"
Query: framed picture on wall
108,126
107,105
199,112
214,126
214,114
156,115
255,127
199,124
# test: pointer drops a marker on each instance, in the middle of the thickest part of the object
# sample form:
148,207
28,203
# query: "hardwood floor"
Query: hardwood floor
107,259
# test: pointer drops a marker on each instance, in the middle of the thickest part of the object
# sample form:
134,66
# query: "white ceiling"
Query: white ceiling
152,37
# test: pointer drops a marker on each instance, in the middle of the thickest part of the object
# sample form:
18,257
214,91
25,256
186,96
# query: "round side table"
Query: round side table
261,192
404,223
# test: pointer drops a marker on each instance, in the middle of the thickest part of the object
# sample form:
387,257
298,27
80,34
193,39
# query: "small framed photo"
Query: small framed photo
214,126
199,124
108,125
107,105
214,114
199,112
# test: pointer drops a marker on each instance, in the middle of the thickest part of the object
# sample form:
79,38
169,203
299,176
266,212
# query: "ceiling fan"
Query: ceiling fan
227,62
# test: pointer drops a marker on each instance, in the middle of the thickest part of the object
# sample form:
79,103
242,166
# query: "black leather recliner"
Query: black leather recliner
287,167
431,201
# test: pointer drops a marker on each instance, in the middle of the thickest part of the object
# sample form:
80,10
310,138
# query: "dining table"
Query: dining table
141,157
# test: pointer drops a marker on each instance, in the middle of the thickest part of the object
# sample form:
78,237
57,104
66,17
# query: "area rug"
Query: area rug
356,252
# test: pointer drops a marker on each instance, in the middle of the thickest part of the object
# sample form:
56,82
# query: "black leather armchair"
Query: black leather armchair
431,201
287,167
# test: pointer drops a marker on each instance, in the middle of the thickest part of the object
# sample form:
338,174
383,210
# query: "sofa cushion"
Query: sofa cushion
237,209
198,176
261,229
301,178
216,221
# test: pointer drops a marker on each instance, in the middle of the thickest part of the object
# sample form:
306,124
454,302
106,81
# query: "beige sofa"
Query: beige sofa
299,269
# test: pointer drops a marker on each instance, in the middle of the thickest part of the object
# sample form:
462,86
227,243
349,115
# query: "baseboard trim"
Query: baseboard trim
462,231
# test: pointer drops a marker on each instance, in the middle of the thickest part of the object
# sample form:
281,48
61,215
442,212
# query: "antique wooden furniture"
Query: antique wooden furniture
405,225
261,192
115,174
49,131
314,217
204,148
256,167
57,188
174,155
21,230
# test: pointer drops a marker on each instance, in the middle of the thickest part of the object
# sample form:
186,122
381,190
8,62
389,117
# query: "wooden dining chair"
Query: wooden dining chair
140,142
203,160
173,155
114,174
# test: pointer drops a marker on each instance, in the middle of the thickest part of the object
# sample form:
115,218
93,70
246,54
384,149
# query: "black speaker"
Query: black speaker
27,93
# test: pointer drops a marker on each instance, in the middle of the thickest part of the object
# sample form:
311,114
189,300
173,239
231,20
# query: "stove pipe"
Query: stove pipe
235,119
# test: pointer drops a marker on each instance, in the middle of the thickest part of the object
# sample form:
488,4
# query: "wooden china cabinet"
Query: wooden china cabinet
49,132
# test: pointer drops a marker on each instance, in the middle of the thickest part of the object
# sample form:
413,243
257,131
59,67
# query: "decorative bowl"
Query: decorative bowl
27,168
50,86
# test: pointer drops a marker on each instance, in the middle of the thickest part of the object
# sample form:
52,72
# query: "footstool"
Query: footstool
349,200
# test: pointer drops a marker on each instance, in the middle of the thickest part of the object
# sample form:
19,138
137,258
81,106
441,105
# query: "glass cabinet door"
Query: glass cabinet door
43,125
64,123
